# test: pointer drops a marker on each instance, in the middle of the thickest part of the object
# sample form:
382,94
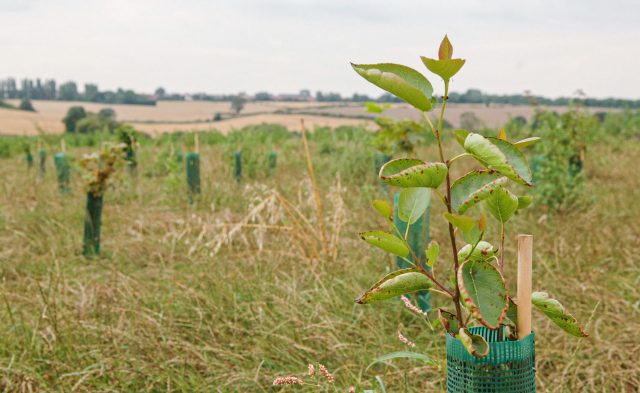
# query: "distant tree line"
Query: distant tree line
49,90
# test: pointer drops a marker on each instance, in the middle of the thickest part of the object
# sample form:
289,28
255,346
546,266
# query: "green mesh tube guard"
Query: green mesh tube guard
193,174
237,167
508,368
132,164
418,239
29,158
62,170
92,224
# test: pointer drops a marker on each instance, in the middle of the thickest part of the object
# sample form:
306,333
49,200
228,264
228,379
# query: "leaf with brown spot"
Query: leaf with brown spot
558,315
449,321
411,172
475,344
395,284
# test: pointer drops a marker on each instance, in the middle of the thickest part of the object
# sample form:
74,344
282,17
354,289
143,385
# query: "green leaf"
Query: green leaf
411,172
521,144
483,252
463,223
460,136
483,292
446,49
558,315
473,188
401,81
475,344
449,321
402,355
412,202
500,156
433,250
383,208
502,204
524,201
395,284
445,69
386,241
470,228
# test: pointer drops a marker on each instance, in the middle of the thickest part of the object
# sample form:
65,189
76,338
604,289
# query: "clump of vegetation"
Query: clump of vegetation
558,164
26,105
396,136
80,121
99,171
478,291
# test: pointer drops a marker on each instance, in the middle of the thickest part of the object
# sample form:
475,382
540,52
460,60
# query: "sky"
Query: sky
548,47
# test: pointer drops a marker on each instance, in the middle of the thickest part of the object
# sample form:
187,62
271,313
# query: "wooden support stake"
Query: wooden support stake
63,147
525,257
196,143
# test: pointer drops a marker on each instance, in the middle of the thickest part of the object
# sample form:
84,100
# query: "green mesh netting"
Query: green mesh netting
193,173
418,239
62,170
237,167
92,223
509,366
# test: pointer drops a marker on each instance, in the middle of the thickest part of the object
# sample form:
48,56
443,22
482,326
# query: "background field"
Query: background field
232,292
169,116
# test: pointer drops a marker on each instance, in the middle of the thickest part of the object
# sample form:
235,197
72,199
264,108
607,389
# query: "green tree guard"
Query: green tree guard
92,223
273,161
29,158
237,167
132,164
379,159
42,154
193,174
508,368
62,170
418,238
179,156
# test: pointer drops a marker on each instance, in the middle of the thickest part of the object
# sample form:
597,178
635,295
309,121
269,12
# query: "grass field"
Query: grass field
236,290
169,116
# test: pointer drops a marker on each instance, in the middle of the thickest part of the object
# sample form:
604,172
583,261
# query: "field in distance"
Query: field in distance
169,116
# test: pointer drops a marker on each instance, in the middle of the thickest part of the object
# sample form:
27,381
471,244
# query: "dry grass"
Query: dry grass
227,295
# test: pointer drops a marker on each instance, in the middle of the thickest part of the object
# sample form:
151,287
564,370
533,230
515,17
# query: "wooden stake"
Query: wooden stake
196,142
525,257
63,147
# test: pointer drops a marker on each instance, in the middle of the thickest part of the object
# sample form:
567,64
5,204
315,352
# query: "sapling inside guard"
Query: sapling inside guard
482,311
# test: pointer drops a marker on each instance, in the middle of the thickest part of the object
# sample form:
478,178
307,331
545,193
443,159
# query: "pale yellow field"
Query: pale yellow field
168,116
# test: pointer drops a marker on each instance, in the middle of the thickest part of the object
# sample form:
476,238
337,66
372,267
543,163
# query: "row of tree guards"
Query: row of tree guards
105,165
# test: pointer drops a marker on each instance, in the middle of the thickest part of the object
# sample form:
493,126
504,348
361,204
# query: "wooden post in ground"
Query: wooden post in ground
525,257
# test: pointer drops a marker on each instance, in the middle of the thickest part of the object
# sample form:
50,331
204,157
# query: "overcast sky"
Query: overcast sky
550,47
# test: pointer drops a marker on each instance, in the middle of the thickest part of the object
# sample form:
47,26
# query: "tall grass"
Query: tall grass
179,302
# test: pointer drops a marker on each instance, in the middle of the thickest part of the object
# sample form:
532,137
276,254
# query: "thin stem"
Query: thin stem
457,157
452,237
501,260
